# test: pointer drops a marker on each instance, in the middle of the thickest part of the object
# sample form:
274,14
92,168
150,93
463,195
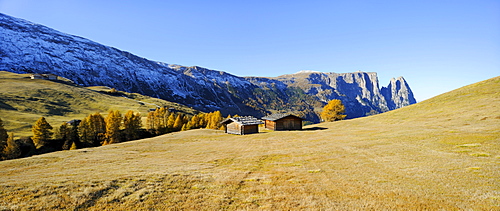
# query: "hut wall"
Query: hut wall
289,123
249,129
271,125
233,128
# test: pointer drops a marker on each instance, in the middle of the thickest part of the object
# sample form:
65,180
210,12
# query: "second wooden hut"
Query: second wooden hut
283,122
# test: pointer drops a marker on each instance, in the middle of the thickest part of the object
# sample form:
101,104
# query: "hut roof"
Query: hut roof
274,117
245,120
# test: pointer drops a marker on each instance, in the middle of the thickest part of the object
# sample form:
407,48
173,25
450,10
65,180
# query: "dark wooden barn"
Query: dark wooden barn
242,125
283,122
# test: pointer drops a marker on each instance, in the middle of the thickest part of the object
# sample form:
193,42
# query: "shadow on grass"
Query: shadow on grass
314,128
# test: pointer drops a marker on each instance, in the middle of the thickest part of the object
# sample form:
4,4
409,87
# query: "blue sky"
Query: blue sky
437,45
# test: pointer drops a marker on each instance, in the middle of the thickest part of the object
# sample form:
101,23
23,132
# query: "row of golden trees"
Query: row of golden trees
95,130
163,121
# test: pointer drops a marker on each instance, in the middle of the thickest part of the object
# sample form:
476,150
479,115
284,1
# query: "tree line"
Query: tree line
96,130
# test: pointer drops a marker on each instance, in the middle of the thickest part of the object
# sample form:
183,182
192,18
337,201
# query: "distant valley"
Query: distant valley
26,47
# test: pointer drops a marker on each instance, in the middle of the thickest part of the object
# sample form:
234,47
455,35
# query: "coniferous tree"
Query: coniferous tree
85,132
62,132
171,121
208,120
113,124
92,130
68,134
159,125
186,126
203,122
12,150
42,132
73,146
3,136
72,135
163,115
150,122
195,121
216,119
178,123
132,124
333,111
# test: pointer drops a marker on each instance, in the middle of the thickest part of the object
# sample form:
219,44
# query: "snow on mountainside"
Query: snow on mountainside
26,47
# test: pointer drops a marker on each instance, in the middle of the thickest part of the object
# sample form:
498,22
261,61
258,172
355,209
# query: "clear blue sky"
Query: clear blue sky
437,45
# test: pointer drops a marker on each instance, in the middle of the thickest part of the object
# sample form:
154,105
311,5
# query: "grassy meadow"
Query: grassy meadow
440,154
23,101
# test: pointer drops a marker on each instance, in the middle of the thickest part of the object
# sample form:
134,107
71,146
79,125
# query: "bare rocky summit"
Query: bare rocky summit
27,47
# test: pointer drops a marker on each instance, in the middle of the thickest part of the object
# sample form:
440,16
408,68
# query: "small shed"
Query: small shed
51,76
242,125
283,122
37,76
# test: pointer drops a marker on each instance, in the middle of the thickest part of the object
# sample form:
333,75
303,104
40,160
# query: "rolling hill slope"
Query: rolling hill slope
23,101
440,154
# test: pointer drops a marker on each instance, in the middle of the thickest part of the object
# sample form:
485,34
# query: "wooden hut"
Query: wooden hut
37,76
283,122
44,76
51,76
242,125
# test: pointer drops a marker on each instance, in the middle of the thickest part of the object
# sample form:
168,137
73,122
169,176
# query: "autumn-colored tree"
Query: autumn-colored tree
3,136
171,121
85,132
72,134
157,122
67,134
73,146
333,111
213,120
42,132
186,126
61,132
216,119
113,124
195,121
92,130
132,124
150,122
178,123
202,123
12,150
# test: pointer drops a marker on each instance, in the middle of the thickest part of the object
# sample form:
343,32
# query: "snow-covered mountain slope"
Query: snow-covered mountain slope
26,47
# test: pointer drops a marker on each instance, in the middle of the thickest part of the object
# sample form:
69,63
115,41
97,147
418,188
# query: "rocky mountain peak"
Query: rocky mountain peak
398,93
26,47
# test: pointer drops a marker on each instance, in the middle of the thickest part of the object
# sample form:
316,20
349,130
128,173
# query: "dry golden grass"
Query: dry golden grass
23,101
440,154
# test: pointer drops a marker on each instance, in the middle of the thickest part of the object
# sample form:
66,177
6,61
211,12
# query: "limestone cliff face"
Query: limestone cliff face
27,47
359,91
398,94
